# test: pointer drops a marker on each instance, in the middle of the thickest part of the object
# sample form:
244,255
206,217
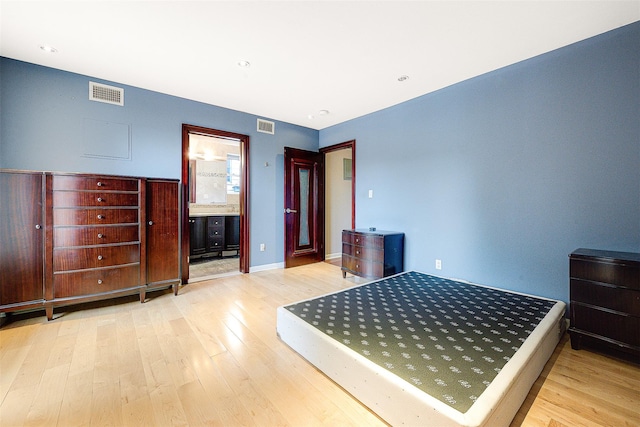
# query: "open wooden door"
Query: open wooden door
303,207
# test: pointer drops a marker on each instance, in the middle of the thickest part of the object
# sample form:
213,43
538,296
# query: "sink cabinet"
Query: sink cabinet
211,235
197,236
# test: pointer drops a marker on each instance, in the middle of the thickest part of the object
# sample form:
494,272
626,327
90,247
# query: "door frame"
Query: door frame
347,144
244,193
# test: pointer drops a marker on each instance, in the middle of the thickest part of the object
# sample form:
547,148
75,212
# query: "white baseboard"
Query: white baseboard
333,256
265,267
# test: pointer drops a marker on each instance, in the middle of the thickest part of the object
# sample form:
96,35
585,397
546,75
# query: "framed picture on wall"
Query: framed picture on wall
346,169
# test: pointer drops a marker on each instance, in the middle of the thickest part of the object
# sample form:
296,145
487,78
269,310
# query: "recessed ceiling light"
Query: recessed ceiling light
403,78
244,64
320,113
48,49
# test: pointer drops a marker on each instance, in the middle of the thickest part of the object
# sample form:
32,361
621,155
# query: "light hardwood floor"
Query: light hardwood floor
210,356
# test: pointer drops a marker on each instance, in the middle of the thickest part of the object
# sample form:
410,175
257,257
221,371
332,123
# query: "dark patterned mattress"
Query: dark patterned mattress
444,338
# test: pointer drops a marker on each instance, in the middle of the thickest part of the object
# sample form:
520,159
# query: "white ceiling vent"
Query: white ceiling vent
266,126
104,93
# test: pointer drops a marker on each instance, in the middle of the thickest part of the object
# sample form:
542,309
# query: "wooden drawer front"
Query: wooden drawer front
94,216
363,252
363,268
95,281
363,240
100,256
214,232
63,182
215,221
63,199
618,327
619,299
88,236
613,273
216,243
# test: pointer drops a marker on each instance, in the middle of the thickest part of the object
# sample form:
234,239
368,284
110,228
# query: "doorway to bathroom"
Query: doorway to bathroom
215,229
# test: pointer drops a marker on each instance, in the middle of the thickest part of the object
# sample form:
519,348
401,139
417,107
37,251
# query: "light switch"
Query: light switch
371,194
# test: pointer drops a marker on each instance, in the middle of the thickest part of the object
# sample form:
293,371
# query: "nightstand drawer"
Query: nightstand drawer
609,325
614,273
605,296
363,252
360,267
358,239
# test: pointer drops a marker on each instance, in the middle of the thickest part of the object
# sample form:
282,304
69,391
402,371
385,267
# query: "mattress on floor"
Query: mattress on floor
424,350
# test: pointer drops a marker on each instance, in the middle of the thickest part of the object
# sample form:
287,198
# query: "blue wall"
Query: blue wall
500,176
42,111
503,175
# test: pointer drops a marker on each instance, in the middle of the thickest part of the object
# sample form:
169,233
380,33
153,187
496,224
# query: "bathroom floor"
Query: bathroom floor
204,268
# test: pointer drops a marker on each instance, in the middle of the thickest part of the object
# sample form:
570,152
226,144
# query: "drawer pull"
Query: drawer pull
100,217
100,235
357,252
150,222
99,281
100,184
99,257
38,226
357,240
100,199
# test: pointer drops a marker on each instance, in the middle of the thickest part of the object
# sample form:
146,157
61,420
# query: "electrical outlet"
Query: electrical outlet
371,194
262,247
438,264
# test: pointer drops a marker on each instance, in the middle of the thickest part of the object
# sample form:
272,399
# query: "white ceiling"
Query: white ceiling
305,56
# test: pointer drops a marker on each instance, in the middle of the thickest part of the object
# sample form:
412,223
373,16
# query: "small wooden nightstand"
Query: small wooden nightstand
605,299
372,254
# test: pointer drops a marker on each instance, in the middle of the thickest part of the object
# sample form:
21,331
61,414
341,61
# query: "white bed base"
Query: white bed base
400,403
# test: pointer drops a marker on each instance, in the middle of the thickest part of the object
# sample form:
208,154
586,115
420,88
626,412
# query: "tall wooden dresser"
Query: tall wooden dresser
605,300
71,238
96,237
372,254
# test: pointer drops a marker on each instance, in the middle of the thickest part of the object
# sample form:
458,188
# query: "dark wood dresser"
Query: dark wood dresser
96,237
605,300
372,254
73,238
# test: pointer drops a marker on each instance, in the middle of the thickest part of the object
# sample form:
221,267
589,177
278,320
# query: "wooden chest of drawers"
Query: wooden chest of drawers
372,254
71,238
96,236
605,299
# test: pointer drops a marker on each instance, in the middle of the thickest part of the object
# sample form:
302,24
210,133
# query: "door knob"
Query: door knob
290,211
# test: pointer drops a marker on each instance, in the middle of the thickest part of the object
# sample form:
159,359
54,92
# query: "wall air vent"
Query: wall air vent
104,93
266,126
